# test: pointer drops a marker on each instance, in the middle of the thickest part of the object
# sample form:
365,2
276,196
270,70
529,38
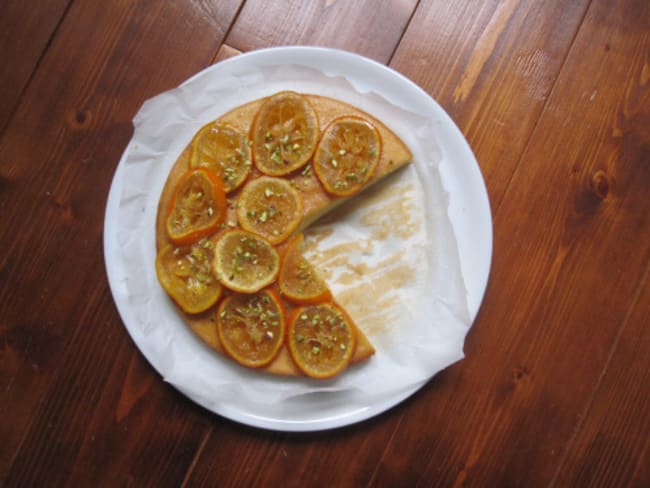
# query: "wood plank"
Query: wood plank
139,430
26,27
58,156
372,28
572,243
612,446
491,66
239,456
225,51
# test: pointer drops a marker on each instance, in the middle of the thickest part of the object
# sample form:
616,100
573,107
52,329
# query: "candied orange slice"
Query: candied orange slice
284,133
186,275
245,262
321,340
270,207
225,151
251,327
197,207
298,280
347,155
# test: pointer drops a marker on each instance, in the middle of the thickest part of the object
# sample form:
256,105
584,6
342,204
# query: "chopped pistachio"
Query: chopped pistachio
340,185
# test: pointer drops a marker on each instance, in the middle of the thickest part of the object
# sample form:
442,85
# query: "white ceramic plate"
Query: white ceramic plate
469,212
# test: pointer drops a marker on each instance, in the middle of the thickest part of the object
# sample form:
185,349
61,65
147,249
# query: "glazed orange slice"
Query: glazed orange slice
298,280
321,340
245,262
284,133
225,151
251,327
186,275
197,207
270,207
347,155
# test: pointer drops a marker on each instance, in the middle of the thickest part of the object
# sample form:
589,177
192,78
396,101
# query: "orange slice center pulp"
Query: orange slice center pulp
245,262
347,155
225,151
197,207
298,280
284,134
270,207
186,274
321,340
251,327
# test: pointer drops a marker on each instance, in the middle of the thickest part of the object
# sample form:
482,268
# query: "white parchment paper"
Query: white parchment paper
394,244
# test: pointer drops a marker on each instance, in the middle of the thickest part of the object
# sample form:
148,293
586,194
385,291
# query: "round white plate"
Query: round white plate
469,212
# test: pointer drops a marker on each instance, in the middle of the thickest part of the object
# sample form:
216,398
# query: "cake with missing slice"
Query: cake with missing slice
230,221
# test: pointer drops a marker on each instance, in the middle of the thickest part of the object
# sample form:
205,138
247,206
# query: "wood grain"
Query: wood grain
553,97
367,27
225,52
492,66
26,27
58,157
612,448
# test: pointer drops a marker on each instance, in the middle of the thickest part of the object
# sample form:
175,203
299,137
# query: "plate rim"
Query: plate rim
471,173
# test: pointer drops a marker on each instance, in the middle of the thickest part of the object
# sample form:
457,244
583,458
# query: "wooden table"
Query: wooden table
554,100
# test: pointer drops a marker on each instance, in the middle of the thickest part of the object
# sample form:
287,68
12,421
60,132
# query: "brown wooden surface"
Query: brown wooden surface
554,99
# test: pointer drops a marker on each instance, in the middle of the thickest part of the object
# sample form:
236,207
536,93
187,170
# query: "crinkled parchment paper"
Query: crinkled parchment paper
389,254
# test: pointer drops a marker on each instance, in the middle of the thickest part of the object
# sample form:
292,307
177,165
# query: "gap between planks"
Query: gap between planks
37,65
612,350
542,111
